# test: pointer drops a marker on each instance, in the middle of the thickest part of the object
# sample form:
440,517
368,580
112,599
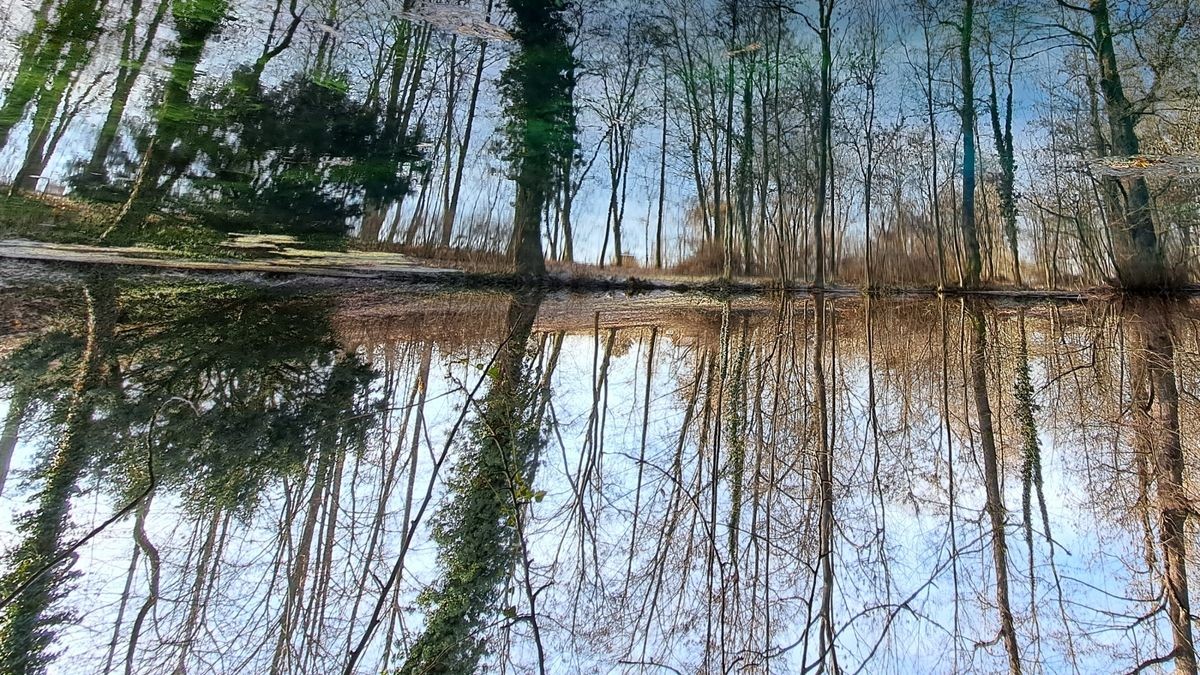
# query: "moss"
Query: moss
52,219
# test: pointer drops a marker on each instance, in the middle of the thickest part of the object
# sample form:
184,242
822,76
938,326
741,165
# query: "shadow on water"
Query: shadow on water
468,482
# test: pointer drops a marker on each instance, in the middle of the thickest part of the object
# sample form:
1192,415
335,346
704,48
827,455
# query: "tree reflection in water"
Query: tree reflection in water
458,482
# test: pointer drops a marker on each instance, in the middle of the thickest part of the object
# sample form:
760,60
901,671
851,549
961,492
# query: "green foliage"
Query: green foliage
176,235
233,387
537,85
302,157
242,388
195,20
28,625
335,83
30,578
291,159
736,433
83,221
41,369
1031,453
476,529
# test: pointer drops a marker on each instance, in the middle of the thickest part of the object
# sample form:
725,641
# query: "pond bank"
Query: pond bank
322,268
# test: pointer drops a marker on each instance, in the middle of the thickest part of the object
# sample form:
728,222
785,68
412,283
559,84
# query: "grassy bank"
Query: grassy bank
64,220
180,243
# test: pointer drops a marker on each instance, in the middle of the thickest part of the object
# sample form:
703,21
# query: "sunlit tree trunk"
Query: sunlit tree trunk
991,479
18,408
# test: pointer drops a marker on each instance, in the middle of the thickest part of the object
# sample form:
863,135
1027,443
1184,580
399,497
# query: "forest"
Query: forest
1002,143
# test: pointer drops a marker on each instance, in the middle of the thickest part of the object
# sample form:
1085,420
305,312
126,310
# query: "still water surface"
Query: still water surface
383,481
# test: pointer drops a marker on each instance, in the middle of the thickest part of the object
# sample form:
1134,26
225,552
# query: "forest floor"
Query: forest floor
260,254
277,255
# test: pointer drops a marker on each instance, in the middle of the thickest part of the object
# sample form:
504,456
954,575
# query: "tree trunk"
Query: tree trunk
935,202
126,77
28,617
662,180
78,26
491,488
827,524
967,113
1156,429
745,194
991,478
451,213
1139,259
826,10
1002,133
526,244
173,118
451,91
18,407
40,50
538,89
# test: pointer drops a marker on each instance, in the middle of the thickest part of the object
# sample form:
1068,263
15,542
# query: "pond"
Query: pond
212,478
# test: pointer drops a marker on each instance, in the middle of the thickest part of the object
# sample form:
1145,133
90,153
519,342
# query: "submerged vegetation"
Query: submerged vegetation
1034,143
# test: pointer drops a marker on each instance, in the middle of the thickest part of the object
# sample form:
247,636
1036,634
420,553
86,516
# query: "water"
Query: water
383,480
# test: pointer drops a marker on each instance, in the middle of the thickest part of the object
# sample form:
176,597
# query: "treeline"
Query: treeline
1031,142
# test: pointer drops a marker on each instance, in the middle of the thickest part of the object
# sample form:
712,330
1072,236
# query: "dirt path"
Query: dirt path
352,264
281,255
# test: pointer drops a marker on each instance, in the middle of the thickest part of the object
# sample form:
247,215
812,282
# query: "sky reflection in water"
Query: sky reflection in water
440,483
